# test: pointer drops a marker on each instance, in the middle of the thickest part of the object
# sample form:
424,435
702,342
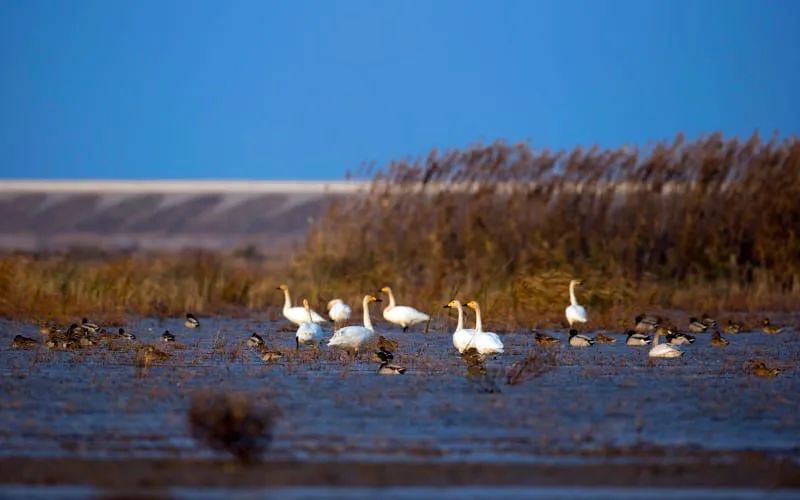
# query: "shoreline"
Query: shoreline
744,469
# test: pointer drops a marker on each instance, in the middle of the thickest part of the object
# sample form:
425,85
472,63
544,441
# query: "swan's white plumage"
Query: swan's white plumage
351,337
355,337
297,315
404,316
308,332
486,343
574,312
663,350
483,342
461,336
338,311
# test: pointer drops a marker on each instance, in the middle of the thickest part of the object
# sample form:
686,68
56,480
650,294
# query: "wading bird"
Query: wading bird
461,336
483,342
308,332
338,311
296,315
355,337
574,312
663,350
404,316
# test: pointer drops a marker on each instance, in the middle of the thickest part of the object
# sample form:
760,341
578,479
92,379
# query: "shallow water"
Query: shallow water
96,403
490,493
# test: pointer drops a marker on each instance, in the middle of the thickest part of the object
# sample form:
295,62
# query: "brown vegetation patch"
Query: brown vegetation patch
233,423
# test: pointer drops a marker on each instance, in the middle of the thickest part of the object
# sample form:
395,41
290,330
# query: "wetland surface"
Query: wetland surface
91,416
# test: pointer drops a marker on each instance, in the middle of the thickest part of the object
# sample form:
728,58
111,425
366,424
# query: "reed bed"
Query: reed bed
63,286
709,225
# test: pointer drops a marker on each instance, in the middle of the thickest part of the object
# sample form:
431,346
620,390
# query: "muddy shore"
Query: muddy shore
737,470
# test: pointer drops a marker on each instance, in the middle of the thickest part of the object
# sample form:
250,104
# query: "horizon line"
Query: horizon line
181,185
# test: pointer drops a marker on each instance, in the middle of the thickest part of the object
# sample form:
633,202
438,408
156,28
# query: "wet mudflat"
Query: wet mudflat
602,408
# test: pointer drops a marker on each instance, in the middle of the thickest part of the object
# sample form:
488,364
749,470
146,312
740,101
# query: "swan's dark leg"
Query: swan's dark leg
296,344
405,328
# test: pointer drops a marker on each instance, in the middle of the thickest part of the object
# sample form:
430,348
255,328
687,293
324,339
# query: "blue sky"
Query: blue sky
257,89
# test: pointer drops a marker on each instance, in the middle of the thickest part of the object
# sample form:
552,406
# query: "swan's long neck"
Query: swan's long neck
572,298
391,299
308,312
478,324
367,320
287,301
460,325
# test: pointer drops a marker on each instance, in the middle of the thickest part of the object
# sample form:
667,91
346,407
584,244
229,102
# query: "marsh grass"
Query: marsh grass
535,364
705,225
61,287
709,225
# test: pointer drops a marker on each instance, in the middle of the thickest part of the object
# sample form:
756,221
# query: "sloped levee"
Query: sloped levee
47,215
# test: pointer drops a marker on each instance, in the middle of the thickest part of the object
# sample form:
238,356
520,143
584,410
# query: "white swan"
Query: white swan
296,315
575,312
483,342
308,332
354,337
461,336
338,311
404,316
663,350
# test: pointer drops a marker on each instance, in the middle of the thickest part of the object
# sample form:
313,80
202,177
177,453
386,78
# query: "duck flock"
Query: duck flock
469,342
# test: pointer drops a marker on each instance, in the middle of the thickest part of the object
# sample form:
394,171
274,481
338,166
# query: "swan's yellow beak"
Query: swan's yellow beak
385,289
282,287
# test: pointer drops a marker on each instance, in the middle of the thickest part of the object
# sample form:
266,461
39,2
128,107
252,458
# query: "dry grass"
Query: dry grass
707,226
232,422
535,364
65,286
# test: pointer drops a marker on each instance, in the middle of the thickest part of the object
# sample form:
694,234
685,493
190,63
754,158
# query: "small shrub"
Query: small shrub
232,422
